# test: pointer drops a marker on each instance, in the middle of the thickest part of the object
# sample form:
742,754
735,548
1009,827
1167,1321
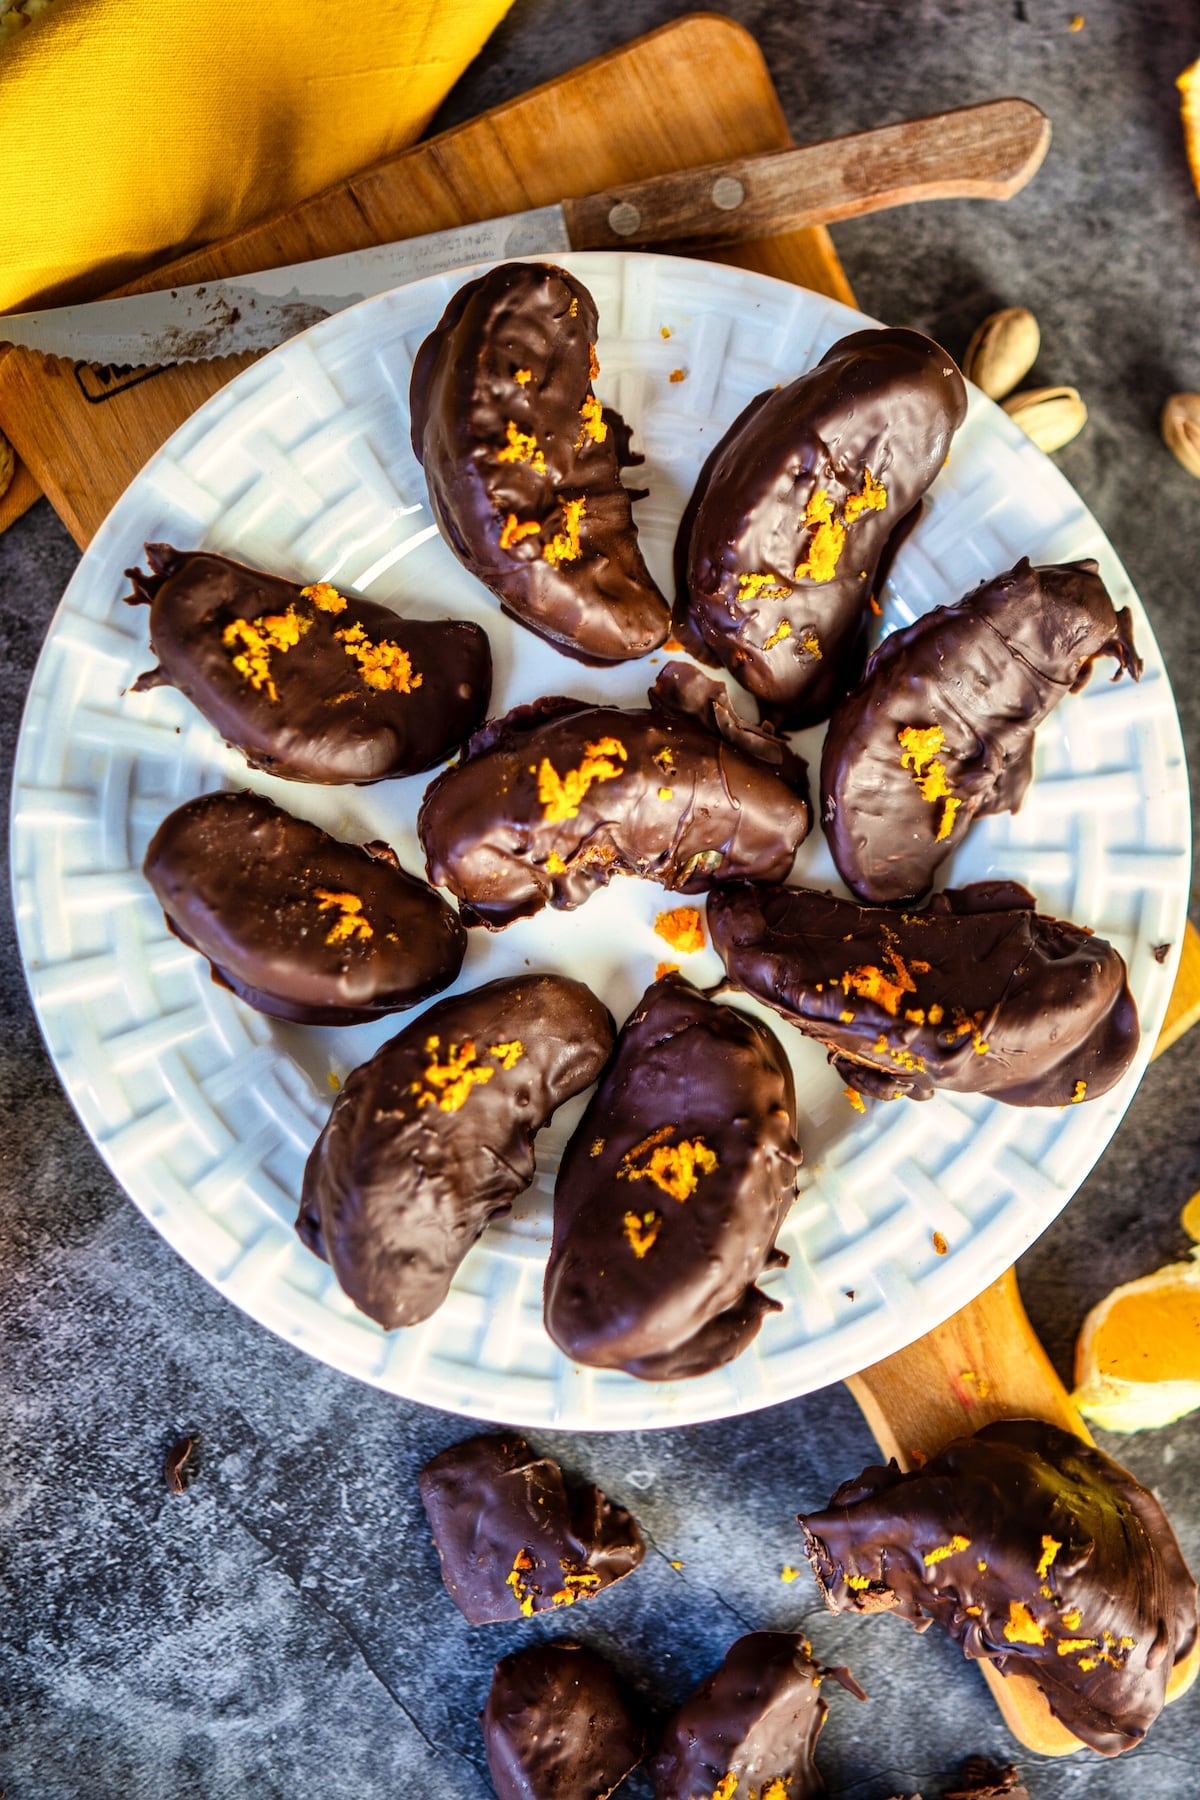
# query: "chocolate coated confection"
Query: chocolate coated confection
781,545
942,727
308,683
749,1730
551,801
556,1726
1036,1552
434,1136
523,466
671,1191
513,1538
296,923
979,992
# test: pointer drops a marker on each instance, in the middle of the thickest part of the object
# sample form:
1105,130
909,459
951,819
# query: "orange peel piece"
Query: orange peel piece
1137,1362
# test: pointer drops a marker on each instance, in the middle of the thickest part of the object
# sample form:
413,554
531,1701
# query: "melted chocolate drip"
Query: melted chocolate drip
1037,1553
557,1726
757,1719
551,801
434,1136
294,922
652,1272
514,1538
979,992
327,722
877,412
981,676
507,460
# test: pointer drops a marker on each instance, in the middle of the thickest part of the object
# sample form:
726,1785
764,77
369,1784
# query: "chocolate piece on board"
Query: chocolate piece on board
781,545
977,992
310,684
523,464
296,923
941,729
1037,1553
434,1136
557,1726
514,1538
672,1190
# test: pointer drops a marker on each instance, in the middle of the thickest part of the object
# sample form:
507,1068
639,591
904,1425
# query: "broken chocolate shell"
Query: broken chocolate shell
523,465
672,1190
553,800
781,545
557,1726
978,992
751,1727
942,727
1037,1553
296,923
310,684
434,1136
514,1538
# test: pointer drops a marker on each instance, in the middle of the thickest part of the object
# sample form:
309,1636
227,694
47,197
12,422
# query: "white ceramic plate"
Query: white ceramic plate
205,1111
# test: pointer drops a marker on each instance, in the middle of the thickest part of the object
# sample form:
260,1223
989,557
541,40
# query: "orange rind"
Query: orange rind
1137,1363
1189,86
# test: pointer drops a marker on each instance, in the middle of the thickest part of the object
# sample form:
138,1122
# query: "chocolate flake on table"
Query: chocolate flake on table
978,992
1161,952
750,1729
981,1780
179,1465
558,1727
550,802
514,1538
941,729
1037,1553
523,463
296,923
308,683
435,1134
672,1190
787,535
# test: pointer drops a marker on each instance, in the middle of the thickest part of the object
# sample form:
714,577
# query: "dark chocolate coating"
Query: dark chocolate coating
327,721
757,1718
978,992
686,1072
883,402
697,796
1074,1552
258,893
417,1156
599,604
985,673
557,1726
514,1538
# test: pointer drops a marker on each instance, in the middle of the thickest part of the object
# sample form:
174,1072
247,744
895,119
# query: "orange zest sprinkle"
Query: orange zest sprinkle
872,497
565,546
562,795
953,1548
726,1788
919,746
507,1055
761,587
593,363
451,1082
555,864
383,665
782,630
677,375
591,414
514,529
351,923
522,377
855,1098
577,1585
682,928
1080,1093
939,1243
1070,1646
521,447
859,1583
641,1232
597,1148
870,982
675,1168
259,637
324,597
827,542
1022,1627
787,1574
522,1563
663,969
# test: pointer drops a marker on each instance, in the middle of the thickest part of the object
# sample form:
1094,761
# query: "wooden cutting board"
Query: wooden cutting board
694,92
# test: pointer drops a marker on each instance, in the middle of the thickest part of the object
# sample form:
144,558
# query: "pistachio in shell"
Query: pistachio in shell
1002,351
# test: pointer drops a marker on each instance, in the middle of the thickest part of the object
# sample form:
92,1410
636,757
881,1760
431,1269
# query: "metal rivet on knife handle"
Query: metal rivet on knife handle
727,192
624,219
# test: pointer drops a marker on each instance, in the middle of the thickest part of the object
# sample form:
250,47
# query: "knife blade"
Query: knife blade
987,151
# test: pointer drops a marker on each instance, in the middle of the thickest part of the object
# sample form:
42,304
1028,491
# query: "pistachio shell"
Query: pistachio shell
7,465
1050,416
1181,430
1003,351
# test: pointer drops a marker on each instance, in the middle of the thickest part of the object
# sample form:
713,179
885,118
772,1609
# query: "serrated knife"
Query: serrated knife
977,152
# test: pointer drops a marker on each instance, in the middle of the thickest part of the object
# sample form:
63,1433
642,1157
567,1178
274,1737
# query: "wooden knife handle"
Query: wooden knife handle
983,152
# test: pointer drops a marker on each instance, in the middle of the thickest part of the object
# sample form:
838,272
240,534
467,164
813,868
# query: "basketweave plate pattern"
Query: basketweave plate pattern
205,1110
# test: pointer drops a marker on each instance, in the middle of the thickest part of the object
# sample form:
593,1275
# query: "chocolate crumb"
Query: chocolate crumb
1161,952
982,1780
179,1465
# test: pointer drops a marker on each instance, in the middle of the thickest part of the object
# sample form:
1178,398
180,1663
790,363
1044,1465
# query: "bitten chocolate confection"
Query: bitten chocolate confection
671,1191
1036,1552
798,509
308,683
942,727
434,1136
294,922
550,802
514,1538
979,992
748,1732
557,1727
523,464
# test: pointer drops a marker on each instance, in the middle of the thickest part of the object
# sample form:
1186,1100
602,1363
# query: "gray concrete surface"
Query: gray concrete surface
281,1630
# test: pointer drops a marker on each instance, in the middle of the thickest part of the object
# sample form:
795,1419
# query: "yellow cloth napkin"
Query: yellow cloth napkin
131,130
